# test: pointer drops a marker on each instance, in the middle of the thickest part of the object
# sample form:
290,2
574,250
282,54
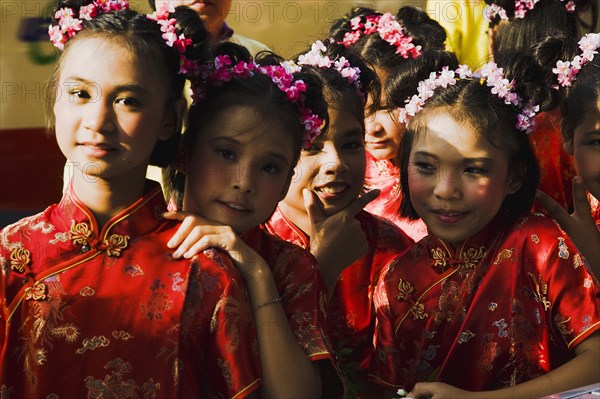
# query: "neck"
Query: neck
296,216
106,198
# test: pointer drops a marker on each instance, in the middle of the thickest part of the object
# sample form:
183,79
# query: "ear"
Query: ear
516,180
567,141
182,159
174,119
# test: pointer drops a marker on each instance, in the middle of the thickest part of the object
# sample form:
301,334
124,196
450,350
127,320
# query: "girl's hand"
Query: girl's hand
437,390
579,225
195,234
336,241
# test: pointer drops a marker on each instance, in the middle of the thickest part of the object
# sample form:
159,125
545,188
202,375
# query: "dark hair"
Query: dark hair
404,82
338,91
426,32
258,92
472,103
143,37
581,97
547,18
152,4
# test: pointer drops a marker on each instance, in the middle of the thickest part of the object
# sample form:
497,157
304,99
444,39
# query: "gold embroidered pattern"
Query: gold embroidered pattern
505,254
577,261
93,343
122,335
87,291
405,289
418,311
561,324
541,290
80,233
115,244
37,292
535,238
19,258
472,256
438,255
465,336
69,332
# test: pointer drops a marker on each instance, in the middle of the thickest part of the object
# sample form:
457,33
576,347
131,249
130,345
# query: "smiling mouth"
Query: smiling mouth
235,206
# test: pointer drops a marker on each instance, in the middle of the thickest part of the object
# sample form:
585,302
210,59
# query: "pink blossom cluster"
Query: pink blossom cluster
222,70
566,71
491,11
187,67
388,29
317,58
68,25
490,73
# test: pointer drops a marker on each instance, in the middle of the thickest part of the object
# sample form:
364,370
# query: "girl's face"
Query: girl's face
109,110
333,168
586,150
457,178
383,131
239,168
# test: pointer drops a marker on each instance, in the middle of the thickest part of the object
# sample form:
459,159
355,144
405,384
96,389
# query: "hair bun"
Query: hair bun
530,80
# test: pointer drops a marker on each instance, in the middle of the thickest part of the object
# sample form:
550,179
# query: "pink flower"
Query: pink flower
57,37
88,12
350,38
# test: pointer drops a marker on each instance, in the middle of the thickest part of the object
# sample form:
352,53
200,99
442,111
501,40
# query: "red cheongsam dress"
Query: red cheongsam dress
90,312
301,287
350,315
383,175
595,207
556,165
505,306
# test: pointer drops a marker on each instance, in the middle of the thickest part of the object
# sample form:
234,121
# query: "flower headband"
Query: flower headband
389,30
68,26
223,70
491,11
495,80
566,71
317,58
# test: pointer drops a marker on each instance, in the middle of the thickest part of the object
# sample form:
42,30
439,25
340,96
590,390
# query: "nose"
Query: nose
333,162
243,179
373,127
448,185
99,116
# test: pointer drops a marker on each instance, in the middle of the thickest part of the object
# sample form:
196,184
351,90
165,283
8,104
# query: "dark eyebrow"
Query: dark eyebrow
118,88
591,132
238,144
354,132
464,161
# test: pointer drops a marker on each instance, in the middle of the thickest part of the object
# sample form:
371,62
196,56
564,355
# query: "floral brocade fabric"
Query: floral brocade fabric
504,307
301,287
384,176
350,316
108,313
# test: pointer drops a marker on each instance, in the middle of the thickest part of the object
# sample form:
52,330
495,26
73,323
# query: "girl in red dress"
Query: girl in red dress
92,302
322,212
242,142
575,66
387,42
516,25
495,302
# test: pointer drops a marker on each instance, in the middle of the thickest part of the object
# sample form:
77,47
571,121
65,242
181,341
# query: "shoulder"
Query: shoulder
380,230
33,227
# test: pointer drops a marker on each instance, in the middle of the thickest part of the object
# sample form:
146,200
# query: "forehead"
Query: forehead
244,124
446,137
341,125
99,58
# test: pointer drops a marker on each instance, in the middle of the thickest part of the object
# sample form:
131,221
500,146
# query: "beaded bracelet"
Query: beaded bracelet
267,303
